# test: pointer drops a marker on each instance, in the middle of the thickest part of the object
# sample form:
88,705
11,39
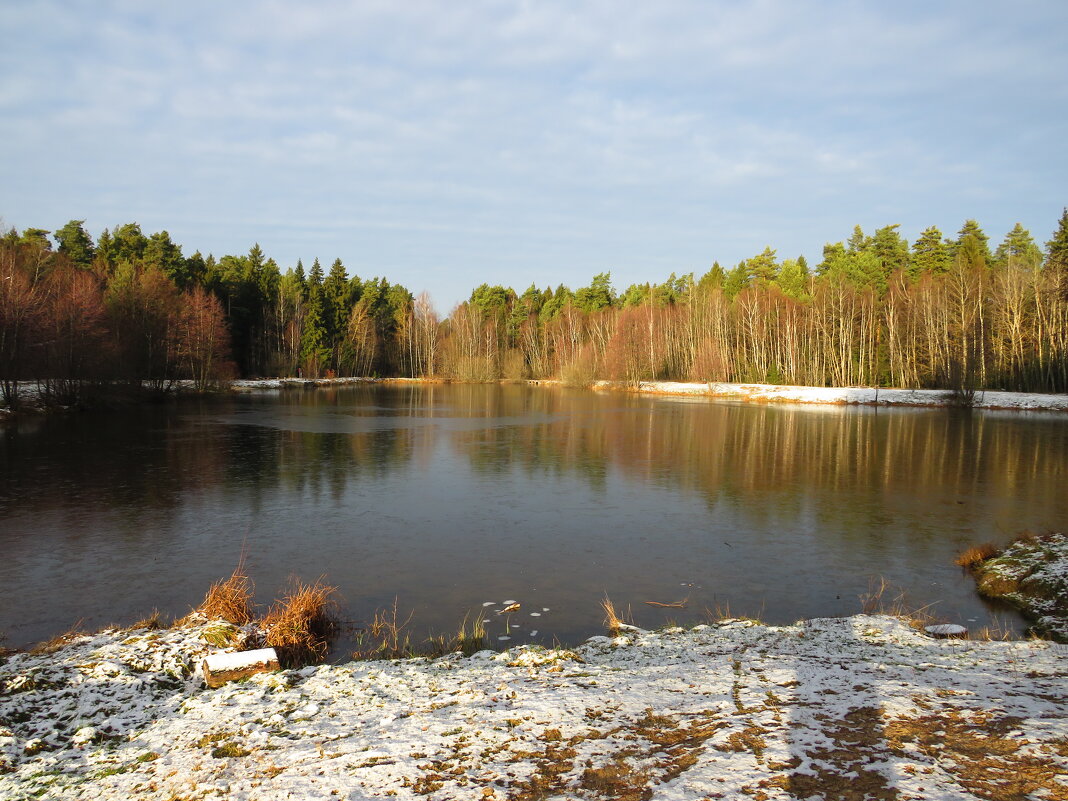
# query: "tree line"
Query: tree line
942,312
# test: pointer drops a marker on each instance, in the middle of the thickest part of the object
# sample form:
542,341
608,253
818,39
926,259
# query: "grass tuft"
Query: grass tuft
300,625
883,598
976,554
469,639
153,622
230,599
612,620
385,637
57,642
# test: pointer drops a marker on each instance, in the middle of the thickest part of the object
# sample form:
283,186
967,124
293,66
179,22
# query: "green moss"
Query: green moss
230,749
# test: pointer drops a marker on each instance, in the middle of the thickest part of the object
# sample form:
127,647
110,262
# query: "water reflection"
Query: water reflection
447,497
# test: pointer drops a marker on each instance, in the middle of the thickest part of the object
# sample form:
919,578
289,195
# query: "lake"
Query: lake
446,498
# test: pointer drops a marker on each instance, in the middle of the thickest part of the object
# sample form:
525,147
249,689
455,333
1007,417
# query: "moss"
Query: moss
229,749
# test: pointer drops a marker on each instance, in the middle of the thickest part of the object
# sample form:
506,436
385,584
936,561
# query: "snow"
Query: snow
854,395
760,393
1038,566
723,711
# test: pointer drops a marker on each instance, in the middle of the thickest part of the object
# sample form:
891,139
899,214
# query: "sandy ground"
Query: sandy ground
861,707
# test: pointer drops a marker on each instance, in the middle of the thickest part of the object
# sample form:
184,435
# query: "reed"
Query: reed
300,625
385,637
883,598
612,621
972,557
230,599
469,639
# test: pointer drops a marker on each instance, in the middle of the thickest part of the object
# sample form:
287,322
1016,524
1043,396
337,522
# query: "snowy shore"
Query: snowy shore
827,708
757,393
868,396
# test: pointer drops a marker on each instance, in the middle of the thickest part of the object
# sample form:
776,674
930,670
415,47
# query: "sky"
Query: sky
446,145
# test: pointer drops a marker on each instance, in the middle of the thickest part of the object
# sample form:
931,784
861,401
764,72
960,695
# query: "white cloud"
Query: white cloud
550,136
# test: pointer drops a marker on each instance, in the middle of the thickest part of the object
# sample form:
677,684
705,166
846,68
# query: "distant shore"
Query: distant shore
753,393
747,393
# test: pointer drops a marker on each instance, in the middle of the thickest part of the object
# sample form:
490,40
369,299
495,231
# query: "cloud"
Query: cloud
441,142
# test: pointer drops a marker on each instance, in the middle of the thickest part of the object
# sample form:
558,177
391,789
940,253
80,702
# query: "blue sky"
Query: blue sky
448,144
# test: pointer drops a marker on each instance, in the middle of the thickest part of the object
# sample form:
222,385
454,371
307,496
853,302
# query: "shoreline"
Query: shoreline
990,400
749,393
719,711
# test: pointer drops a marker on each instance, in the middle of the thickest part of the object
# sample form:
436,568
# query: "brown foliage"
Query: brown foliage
976,554
230,599
300,625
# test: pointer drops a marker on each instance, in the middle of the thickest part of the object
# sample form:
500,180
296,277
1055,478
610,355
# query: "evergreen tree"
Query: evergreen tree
859,242
301,279
75,242
105,250
736,280
1057,253
971,228
891,249
336,302
555,304
1018,248
162,253
598,295
128,243
36,238
196,269
929,254
314,340
713,279
763,268
793,278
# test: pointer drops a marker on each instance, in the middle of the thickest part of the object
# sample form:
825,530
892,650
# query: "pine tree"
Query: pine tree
162,253
891,249
1057,254
75,243
1018,248
929,254
971,228
763,267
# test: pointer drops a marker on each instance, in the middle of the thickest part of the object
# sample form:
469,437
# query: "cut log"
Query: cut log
221,667
944,630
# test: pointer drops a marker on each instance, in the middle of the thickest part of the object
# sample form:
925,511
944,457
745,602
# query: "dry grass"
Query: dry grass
976,554
470,638
300,625
57,642
230,599
612,620
153,622
385,637
883,598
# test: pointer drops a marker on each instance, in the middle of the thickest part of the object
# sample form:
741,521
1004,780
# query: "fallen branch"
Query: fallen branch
677,605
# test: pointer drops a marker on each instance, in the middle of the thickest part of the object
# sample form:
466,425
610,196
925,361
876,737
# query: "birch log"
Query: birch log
221,667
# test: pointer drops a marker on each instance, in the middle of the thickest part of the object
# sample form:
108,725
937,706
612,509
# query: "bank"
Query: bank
865,706
751,393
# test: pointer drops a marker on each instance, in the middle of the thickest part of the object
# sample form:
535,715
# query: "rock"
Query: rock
221,667
944,630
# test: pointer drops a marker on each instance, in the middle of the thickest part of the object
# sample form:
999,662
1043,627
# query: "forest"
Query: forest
84,319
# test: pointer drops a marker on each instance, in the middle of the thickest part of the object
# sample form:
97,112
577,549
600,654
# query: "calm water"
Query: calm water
448,497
